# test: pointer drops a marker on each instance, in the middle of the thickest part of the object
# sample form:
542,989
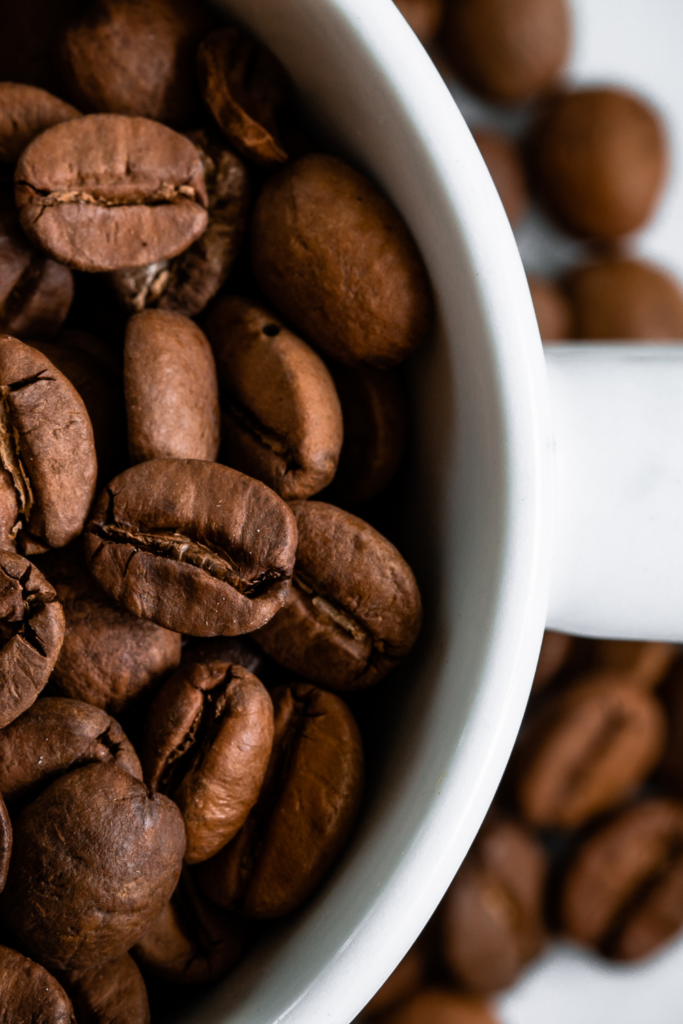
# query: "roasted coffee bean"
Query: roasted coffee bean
35,291
440,1006
638,662
208,741
30,994
585,750
47,452
96,857
375,421
135,57
491,918
193,546
625,300
55,735
5,844
336,260
507,50
354,609
402,983
245,87
623,892
423,16
26,111
32,630
553,311
599,157
281,419
191,942
131,193
186,283
505,166
305,812
171,389
110,658
111,993
555,651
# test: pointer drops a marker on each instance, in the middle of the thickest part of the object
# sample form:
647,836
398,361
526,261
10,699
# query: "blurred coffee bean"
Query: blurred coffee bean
26,111
30,994
641,663
402,983
553,311
423,16
623,300
507,170
111,993
555,651
440,1006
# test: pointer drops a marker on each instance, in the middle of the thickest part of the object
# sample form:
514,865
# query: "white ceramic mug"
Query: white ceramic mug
478,516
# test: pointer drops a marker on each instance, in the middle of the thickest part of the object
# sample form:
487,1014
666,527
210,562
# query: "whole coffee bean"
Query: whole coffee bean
585,750
556,650
375,429
507,50
305,812
281,419
440,1006
55,735
5,844
26,111
186,283
354,609
32,630
47,452
135,57
208,741
171,389
131,192
600,160
640,663
491,918
110,658
423,16
191,942
245,87
30,994
505,166
623,892
407,979
553,311
336,260
193,546
110,993
96,857
35,291
625,300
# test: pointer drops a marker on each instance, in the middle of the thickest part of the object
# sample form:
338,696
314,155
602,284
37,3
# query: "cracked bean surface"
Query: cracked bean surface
29,993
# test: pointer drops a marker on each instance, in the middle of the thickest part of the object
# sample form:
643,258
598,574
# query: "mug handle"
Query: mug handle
617,417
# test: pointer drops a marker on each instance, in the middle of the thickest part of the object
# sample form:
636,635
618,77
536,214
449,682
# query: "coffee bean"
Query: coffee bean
491,918
245,87
186,283
423,16
96,857
585,750
131,193
47,452
440,1006
599,158
553,311
623,892
191,942
306,810
111,993
354,609
135,57
640,663
625,300
505,166
171,389
29,993
26,111
5,844
55,735
281,419
193,546
208,741
32,630
335,259
507,50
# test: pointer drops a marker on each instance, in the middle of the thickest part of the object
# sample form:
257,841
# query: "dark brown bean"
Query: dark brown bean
336,260
423,16
208,741
193,546
505,166
641,663
304,815
440,1006
26,111
623,892
131,193
30,994
354,609
585,750
5,844
171,389
32,630
111,993
553,310
245,87
624,300
96,857
281,419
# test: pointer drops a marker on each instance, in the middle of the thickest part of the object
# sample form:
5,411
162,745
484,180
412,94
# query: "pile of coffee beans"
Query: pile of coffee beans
201,316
